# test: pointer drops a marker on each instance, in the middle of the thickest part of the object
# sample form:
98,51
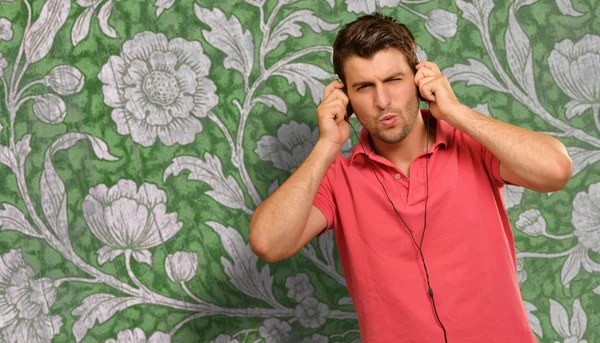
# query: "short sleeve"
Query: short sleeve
324,199
492,164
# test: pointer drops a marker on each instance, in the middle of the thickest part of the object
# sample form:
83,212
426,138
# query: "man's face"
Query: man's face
383,94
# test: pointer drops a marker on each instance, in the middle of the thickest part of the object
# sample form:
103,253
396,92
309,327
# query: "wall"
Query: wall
137,138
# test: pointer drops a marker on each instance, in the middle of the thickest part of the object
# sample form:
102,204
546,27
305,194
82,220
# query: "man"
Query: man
420,181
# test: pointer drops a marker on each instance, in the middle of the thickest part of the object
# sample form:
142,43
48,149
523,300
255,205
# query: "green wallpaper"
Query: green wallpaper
136,138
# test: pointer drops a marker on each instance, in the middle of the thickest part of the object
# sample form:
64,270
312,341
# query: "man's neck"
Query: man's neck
403,153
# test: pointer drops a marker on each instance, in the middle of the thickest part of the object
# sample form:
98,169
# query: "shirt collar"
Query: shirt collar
441,137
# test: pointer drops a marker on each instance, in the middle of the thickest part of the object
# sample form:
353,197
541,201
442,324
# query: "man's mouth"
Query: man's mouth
388,120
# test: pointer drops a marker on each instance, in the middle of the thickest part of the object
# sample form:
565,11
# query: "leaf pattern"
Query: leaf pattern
53,192
303,75
582,158
534,321
228,36
566,8
476,73
11,218
571,267
99,307
290,26
226,190
38,39
103,17
476,12
519,54
226,95
241,269
272,100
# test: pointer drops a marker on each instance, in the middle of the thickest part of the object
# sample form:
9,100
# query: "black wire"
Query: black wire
429,290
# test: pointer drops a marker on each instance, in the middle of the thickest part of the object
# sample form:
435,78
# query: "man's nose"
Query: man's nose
383,99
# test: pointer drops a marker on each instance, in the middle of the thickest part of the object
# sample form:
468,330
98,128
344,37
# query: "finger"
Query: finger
428,65
425,80
428,87
333,109
339,113
335,84
337,94
424,72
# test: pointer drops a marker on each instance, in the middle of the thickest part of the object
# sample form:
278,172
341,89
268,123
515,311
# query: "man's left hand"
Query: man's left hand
436,89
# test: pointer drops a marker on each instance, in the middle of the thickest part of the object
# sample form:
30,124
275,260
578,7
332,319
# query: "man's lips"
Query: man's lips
387,117
388,120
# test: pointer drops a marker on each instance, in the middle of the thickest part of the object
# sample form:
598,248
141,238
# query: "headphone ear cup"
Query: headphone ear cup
349,110
420,96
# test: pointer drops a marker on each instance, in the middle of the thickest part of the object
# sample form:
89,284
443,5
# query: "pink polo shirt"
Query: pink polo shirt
468,245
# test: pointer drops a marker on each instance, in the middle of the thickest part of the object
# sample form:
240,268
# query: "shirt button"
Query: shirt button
398,176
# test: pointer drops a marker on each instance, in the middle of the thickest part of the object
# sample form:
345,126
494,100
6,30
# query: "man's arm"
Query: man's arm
287,219
529,159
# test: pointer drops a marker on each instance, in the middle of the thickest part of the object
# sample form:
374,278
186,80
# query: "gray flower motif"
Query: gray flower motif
129,220
586,217
441,24
571,331
157,88
531,222
574,67
181,266
299,287
521,272
534,321
6,32
311,313
65,80
369,6
293,144
274,330
421,53
483,109
25,303
138,336
49,108
162,5
224,339
513,195
3,64
316,338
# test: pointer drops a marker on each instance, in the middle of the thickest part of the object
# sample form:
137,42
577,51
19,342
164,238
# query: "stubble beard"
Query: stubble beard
408,116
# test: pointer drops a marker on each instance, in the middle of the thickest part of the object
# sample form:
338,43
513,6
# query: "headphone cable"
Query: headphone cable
430,290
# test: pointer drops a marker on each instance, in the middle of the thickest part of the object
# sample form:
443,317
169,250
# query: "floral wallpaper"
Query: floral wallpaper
137,138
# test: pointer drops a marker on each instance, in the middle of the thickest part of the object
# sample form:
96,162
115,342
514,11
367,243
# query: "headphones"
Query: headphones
349,112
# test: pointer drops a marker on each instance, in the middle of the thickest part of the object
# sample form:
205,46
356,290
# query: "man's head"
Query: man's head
375,58
370,34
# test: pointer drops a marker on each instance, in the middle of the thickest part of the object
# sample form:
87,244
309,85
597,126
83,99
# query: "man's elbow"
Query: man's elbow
560,175
261,248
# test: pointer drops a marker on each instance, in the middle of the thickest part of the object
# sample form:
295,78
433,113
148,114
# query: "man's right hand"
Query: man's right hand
287,220
333,129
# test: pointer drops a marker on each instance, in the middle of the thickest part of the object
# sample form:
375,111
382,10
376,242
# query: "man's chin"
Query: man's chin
392,137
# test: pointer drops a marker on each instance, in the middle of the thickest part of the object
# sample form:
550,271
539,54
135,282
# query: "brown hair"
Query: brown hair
370,34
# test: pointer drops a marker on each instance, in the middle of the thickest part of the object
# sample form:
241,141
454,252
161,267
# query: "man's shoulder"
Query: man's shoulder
340,167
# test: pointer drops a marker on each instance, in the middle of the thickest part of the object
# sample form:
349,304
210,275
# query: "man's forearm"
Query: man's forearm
529,159
278,223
